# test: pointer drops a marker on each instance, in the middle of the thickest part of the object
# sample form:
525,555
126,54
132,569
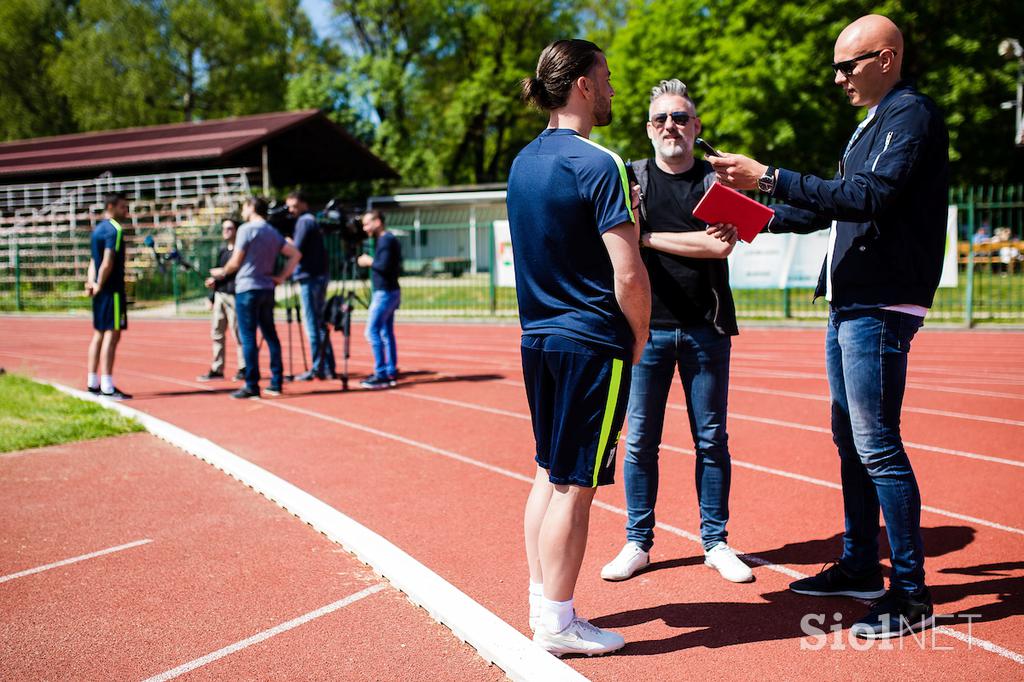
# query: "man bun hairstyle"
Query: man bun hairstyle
560,64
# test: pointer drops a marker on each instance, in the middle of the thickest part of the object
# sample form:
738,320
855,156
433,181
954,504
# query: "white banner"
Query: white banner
505,269
950,272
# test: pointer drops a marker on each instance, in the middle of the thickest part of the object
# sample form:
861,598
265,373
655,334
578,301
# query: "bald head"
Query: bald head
871,77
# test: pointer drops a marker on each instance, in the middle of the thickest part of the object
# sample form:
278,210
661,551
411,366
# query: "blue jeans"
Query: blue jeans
380,331
313,292
866,358
702,357
255,308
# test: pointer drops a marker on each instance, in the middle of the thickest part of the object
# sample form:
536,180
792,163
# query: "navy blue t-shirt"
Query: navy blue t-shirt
309,240
108,234
564,192
387,263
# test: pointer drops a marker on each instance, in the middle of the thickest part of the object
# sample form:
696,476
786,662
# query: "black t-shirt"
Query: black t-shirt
680,286
226,285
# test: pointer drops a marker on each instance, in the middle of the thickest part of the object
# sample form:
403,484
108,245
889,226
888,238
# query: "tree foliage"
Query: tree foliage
763,84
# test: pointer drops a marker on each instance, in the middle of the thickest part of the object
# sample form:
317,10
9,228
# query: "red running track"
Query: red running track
439,467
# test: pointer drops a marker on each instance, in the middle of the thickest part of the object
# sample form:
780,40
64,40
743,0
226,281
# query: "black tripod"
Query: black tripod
337,313
294,305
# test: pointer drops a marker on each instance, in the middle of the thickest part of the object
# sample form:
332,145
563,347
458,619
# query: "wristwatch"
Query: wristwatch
766,183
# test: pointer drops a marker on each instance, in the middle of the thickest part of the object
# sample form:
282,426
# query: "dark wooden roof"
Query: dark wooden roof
303,147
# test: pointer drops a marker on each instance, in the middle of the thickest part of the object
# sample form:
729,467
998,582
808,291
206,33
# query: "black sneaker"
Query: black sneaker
834,581
245,394
210,376
392,381
306,376
95,390
273,390
896,614
240,375
116,394
375,383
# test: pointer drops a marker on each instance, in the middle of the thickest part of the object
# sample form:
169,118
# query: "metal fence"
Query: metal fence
450,267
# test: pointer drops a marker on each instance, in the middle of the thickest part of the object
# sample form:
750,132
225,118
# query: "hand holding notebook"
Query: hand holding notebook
723,205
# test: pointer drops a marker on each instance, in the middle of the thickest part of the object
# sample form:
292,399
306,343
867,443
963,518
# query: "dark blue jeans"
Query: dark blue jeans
380,331
255,308
866,358
313,292
701,356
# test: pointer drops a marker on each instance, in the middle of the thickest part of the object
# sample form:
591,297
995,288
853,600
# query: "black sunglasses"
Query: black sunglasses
680,118
849,65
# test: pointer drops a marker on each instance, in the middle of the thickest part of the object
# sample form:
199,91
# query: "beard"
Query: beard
670,148
603,112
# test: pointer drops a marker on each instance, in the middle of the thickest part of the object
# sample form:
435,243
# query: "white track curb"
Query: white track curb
495,640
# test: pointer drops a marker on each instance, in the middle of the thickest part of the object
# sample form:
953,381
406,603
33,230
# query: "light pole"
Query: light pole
1010,49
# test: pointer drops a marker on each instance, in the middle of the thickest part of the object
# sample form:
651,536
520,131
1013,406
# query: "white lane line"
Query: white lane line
917,410
74,560
266,634
907,443
752,558
495,640
736,462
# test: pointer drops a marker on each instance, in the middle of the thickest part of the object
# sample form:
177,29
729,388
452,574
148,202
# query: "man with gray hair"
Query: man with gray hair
693,319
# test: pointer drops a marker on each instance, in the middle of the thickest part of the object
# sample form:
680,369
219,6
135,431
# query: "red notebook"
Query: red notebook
723,205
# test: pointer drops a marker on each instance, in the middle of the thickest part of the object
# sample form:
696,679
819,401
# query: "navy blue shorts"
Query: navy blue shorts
108,311
578,399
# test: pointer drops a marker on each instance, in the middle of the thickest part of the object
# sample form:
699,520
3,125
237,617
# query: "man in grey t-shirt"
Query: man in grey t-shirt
256,249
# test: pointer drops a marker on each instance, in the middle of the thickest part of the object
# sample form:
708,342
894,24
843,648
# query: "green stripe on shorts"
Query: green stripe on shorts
117,310
609,416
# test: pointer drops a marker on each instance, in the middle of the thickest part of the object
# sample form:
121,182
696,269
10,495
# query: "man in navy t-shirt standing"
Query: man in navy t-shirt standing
584,305
105,284
313,277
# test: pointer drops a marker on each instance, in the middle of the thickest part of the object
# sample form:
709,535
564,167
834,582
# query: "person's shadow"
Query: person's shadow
938,541
1006,588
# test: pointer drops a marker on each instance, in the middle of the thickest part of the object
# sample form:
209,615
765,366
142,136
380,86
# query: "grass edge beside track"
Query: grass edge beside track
34,415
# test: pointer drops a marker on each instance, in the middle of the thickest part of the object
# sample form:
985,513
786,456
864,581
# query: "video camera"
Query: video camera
343,220
280,219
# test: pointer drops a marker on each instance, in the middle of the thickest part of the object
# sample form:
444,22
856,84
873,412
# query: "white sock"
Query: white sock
536,595
93,381
556,616
107,383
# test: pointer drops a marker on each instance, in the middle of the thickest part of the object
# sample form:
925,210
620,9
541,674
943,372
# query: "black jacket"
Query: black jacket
890,200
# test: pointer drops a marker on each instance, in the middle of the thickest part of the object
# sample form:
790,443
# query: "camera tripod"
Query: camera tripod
337,313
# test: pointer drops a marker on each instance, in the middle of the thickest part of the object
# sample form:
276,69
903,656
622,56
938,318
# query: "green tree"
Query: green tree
764,87
131,62
441,78
31,103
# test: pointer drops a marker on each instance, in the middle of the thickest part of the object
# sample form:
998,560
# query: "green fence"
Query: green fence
450,268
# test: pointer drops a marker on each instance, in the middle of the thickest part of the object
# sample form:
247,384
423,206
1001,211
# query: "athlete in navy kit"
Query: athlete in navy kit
105,284
584,305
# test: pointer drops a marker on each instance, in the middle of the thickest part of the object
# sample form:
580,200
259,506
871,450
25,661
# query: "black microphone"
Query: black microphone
148,241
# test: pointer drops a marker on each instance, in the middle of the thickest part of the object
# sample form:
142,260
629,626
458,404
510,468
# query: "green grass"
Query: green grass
33,415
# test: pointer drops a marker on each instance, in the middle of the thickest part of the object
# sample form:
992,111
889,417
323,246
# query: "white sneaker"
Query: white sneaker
630,560
534,617
579,638
724,559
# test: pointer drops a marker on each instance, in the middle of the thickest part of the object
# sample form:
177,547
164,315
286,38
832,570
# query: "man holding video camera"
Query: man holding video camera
313,278
256,249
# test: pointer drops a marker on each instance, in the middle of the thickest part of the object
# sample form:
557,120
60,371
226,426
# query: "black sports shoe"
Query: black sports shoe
116,394
95,390
273,390
834,581
375,383
240,375
306,376
210,376
896,614
245,394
